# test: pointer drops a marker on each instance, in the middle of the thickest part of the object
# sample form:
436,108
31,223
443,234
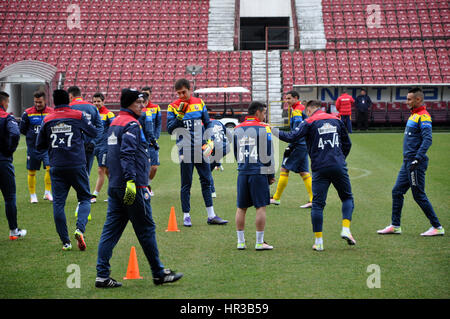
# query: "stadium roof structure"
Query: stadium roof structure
33,68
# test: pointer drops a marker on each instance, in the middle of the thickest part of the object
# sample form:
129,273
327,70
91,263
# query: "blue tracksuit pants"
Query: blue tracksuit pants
416,181
186,171
321,180
117,217
62,179
8,189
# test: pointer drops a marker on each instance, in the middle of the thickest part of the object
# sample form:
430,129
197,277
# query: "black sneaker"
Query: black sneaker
108,283
169,276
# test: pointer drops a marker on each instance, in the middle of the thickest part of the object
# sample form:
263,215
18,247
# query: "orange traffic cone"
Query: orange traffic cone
133,268
172,221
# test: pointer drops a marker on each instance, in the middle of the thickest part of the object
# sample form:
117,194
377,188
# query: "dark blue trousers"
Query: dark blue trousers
204,172
321,180
8,189
416,181
117,217
346,119
62,179
212,166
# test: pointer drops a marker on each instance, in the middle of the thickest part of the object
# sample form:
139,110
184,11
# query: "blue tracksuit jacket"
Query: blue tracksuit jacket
93,115
326,138
9,135
128,157
31,123
418,135
195,121
253,149
62,133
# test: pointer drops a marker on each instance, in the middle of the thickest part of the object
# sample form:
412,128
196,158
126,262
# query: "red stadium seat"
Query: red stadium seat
394,113
378,113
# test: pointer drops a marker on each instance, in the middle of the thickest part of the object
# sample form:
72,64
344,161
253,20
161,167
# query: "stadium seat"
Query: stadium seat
378,113
439,111
394,112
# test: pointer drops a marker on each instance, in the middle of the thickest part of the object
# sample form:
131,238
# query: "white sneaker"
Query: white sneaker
317,247
33,199
397,230
263,246
274,201
17,233
345,234
48,196
307,205
434,232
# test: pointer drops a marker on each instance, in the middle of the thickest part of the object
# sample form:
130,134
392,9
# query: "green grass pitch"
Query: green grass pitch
408,265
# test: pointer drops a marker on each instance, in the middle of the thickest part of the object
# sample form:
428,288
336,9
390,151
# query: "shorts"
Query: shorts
101,157
154,156
253,190
35,158
297,161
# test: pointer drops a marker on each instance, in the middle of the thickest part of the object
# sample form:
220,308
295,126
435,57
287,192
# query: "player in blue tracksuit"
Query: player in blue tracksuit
417,140
154,111
217,132
295,156
328,145
188,118
102,147
146,121
253,150
129,199
9,139
30,124
62,134
93,115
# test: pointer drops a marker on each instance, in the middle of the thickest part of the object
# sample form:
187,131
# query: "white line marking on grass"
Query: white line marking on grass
364,172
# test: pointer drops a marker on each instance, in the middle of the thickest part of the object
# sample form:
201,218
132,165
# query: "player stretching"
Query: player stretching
328,146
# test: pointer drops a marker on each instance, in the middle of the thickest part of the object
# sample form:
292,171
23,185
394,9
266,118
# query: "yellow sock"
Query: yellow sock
318,234
32,181
47,180
282,183
346,223
307,179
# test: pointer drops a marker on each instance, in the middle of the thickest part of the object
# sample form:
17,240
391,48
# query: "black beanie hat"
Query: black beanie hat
128,97
60,97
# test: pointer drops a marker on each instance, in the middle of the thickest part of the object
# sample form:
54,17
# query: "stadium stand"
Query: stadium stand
409,44
136,43
121,43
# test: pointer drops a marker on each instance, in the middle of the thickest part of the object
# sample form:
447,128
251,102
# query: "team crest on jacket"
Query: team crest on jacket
61,128
327,128
247,140
112,139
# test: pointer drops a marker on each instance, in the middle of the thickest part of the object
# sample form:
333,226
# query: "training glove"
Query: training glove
208,148
130,193
413,165
182,108
287,152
